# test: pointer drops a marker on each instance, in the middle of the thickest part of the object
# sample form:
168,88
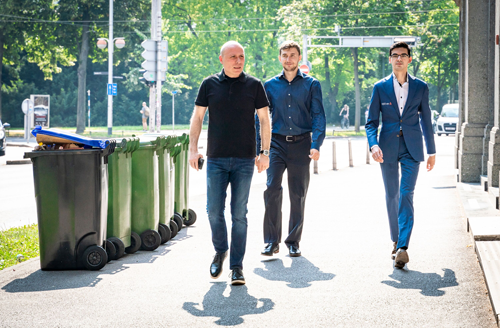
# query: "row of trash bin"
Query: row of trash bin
99,199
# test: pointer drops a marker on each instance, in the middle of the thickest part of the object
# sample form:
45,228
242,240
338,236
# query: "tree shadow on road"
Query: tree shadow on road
230,310
299,275
428,283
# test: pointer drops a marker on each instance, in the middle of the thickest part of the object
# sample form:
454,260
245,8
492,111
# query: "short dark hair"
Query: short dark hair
289,44
400,44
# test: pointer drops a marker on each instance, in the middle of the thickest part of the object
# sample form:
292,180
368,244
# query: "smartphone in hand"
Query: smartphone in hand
200,163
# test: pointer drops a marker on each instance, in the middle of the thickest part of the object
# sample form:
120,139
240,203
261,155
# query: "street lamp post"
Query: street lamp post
101,43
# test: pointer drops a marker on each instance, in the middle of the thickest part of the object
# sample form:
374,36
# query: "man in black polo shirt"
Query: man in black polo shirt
232,97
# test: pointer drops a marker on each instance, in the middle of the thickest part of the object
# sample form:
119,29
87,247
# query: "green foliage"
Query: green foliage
196,29
18,241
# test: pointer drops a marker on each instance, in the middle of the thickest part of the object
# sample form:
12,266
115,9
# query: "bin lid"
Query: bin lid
96,143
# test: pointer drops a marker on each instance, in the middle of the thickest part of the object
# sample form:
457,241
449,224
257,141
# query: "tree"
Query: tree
24,27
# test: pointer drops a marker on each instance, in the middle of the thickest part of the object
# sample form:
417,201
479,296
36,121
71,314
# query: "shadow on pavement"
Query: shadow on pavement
299,275
428,283
229,310
72,279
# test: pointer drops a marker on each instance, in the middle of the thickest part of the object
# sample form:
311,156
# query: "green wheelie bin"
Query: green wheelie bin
168,219
119,227
71,191
181,202
145,196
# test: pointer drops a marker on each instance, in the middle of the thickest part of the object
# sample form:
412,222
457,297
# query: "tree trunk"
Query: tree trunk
82,77
1,66
357,113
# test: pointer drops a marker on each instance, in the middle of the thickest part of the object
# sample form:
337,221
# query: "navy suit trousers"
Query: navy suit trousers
399,194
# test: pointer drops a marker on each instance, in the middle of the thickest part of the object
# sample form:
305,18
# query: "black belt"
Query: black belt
292,138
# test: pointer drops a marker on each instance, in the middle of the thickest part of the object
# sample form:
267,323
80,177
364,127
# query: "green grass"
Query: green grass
102,131
351,133
15,241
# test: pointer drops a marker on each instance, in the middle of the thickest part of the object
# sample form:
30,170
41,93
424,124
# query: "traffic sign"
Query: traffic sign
112,89
27,105
304,68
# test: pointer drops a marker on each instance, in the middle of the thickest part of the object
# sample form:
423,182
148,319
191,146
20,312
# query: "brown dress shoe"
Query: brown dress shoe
394,250
401,258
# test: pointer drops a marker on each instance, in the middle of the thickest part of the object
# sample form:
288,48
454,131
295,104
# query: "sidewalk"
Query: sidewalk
344,278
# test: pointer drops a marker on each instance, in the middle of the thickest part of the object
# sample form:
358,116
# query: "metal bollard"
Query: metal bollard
334,155
367,153
315,167
350,153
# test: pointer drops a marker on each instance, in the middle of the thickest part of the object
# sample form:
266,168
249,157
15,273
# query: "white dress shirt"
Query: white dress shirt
401,92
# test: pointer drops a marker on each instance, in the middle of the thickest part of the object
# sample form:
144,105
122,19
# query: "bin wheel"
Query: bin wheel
119,245
173,228
150,240
95,258
135,243
191,217
178,219
110,249
165,233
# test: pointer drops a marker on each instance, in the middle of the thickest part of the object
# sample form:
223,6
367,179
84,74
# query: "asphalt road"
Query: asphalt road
345,277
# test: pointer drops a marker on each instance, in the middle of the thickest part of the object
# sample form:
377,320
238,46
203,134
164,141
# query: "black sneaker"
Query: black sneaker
216,266
237,277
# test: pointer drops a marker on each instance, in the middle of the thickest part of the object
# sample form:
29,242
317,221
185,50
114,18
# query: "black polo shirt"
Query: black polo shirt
231,106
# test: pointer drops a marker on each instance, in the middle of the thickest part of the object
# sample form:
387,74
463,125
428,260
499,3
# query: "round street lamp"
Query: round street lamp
101,44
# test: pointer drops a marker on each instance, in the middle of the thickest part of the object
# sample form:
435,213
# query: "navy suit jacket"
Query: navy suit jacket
415,121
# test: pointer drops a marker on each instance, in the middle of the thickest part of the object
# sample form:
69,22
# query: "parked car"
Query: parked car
3,142
448,120
435,116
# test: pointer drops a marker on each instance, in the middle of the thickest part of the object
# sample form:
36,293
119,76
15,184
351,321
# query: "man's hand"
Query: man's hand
262,163
314,154
193,159
377,154
431,161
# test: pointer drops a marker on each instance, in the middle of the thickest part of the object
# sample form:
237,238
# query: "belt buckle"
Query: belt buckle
289,140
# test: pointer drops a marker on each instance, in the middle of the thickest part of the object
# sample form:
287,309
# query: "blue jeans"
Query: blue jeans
220,173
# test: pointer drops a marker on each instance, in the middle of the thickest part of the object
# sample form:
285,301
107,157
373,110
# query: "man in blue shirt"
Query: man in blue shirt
296,106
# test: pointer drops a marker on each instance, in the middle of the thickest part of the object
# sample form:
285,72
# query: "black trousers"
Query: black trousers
293,157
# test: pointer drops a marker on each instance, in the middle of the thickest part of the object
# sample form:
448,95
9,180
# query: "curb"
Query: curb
19,161
19,145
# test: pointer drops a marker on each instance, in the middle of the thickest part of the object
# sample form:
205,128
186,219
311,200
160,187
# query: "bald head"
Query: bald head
230,44
232,58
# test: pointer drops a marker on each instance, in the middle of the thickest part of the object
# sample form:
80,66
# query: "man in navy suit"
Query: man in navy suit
403,101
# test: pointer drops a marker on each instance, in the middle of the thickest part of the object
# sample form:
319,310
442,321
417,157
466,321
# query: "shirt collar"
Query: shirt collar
241,78
396,80
299,73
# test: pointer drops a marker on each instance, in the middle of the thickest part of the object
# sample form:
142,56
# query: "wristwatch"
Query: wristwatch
265,152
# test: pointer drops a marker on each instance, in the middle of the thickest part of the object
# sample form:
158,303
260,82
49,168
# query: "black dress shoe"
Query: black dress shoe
237,277
216,266
294,251
271,248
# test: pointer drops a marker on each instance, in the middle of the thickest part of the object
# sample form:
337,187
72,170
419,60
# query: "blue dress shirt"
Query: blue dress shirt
296,107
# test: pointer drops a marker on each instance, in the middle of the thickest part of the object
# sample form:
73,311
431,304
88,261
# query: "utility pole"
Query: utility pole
158,67
152,89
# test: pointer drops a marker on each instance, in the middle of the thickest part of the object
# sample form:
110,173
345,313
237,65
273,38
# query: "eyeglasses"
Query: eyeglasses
396,56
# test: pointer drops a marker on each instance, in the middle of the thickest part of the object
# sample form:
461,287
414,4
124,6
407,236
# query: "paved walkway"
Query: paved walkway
344,279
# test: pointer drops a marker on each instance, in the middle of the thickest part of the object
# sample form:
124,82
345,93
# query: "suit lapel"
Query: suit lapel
411,91
389,88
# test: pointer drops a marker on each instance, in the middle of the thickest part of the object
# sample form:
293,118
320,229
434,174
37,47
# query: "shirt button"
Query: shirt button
288,94
289,84
401,121
289,117
289,105
290,128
